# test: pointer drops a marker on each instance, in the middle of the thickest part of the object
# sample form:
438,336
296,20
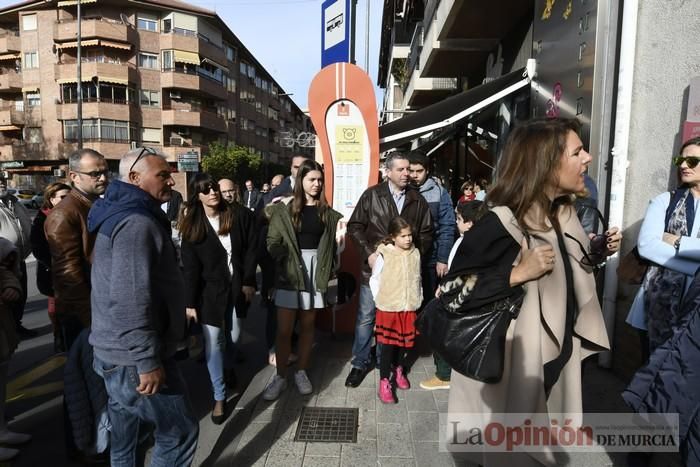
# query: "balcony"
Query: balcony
11,118
207,120
459,35
10,43
109,109
193,43
193,82
117,73
422,92
11,82
97,28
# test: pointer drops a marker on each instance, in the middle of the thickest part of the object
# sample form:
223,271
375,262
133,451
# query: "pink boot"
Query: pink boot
385,394
401,380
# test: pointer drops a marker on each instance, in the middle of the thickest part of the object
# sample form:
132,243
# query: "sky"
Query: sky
285,37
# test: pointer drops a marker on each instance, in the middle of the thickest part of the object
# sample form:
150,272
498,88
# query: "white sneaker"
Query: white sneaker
303,383
7,453
275,388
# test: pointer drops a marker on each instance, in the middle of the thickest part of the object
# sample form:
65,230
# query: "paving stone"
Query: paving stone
392,413
327,401
360,454
323,449
364,398
424,426
442,406
321,461
287,426
391,462
266,415
248,461
419,401
335,388
256,441
370,380
367,425
393,440
297,401
429,454
285,453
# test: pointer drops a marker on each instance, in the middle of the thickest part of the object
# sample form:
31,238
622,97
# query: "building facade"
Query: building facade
158,73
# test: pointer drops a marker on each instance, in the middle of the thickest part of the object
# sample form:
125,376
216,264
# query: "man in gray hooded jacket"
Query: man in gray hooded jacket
138,313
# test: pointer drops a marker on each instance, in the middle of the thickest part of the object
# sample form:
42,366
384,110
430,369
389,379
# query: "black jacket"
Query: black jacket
42,253
174,206
369,223
254,196
209,285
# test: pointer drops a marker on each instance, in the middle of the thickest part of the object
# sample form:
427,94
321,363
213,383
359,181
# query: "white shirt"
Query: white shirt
224,239
454,250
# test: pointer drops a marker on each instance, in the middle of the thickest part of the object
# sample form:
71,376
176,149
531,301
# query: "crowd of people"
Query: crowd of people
122,292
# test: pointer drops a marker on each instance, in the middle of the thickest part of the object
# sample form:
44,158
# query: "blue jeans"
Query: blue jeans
176,428
364,330
219,350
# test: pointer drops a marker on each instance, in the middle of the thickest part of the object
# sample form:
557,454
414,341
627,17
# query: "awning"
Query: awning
9,127
74,2
30,89
216,64
74,44
73,80
115,45
452,109
113,80
10,56
180,56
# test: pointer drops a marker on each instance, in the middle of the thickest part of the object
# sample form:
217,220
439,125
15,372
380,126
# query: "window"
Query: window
230,52
244,68
112,93
150,135
167,59
147,22
147,60
251,72
230,84
167,25
34,100
31,60
150,98
29,22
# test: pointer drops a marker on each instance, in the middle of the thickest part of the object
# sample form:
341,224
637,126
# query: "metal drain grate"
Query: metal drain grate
327,425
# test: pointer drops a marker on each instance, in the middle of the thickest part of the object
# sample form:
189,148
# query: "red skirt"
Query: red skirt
396,328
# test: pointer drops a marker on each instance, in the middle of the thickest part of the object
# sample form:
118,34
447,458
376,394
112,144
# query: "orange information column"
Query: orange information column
343,111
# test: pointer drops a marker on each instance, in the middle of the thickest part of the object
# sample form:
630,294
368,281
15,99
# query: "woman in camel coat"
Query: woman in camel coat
532,238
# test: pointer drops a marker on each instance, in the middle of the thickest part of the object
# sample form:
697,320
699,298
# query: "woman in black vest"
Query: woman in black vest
218,255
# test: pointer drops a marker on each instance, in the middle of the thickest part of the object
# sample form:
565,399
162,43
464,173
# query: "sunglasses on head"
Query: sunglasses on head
691,161
144,152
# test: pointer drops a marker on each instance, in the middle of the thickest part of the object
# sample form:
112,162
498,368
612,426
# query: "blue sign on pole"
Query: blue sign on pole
335,35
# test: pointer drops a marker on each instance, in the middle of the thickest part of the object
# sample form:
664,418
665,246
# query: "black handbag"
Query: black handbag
471,341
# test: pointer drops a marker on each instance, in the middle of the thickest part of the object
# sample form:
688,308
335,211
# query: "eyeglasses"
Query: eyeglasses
144,152
691,161
95,174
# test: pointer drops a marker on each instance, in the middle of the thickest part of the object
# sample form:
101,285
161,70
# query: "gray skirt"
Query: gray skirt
309,298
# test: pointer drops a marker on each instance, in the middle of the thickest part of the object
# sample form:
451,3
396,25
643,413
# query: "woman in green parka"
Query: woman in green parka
301,239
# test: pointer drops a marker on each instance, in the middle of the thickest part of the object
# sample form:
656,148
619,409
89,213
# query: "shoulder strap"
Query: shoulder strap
508,220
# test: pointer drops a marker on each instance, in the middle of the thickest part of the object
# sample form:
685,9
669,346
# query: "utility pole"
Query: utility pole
367,41
79,86
353,14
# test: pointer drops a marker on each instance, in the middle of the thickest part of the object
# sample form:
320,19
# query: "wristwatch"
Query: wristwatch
677,243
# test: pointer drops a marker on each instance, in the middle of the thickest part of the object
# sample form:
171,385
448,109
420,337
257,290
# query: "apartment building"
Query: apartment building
158,73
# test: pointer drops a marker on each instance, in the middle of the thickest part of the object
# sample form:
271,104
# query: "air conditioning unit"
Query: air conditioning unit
183,132
175,95
176,141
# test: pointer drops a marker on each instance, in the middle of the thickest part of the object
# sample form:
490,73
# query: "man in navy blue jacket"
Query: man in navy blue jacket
435,266
138,313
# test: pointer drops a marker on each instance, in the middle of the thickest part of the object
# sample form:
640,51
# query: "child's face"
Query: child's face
404,239
463,225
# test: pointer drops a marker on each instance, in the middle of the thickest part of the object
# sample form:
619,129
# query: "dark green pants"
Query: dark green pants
442,369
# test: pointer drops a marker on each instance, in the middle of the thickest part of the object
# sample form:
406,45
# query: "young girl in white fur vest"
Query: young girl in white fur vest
397,290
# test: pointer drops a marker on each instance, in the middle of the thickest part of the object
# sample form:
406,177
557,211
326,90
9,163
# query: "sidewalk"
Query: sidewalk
261,433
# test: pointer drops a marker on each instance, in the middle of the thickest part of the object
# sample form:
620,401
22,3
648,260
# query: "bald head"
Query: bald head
133,159
276,180
228,190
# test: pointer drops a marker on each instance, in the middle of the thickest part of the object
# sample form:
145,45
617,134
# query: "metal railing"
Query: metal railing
197,72
413,62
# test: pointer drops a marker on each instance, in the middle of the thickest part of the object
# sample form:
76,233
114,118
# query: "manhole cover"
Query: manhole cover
327,425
